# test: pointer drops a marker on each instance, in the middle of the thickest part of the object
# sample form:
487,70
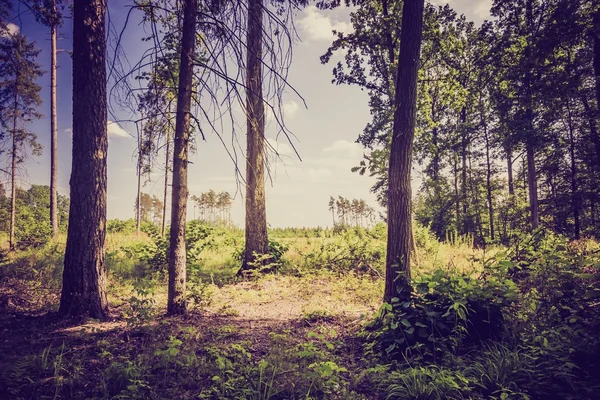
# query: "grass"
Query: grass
297,333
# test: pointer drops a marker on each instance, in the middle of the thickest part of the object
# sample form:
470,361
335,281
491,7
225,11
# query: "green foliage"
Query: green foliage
355,249
127,226
265,262
32,227
439,314
426,383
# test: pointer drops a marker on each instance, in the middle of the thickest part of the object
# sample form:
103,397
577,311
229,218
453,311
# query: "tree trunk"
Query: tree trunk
488,181
574,185
138,207
53,129
176,303
399,202
509,170
84,277
596,40
166,190
256,217
530,134
532,184
466,228
13,177
456,192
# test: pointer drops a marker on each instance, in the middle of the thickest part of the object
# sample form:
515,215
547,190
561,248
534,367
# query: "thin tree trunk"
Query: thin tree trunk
488,181
574,189
596,40
84,277
532,184
530,139
456,192
256,216
399,202
176,303
466,228
166,189
13,178
509,170
53,129
138,208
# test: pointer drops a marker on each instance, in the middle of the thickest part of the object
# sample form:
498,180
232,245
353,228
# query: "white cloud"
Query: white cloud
290,108
319,27
344,148
114,129
11,29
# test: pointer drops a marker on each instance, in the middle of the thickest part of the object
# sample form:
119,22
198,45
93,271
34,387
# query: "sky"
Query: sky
297,192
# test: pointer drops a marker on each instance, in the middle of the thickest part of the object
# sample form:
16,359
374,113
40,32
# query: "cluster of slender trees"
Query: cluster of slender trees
194,43
214,207
507,113
351,212
149,208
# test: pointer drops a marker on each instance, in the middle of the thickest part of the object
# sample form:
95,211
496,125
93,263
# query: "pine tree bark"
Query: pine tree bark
257,242
166,189
13,177
176,302
84,277
399,199
530,139
138,205
466,225
575,205
488,182
53,128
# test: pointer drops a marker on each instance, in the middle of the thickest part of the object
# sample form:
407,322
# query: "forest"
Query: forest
469,269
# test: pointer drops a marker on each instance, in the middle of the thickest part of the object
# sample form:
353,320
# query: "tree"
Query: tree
332,208
46,12
176,302
19,99
257,242
84,277
400,164
53,124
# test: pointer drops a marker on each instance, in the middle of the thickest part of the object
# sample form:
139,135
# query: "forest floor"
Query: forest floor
304,331
300,330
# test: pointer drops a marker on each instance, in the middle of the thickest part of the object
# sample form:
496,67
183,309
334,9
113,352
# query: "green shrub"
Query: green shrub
440,313
427,383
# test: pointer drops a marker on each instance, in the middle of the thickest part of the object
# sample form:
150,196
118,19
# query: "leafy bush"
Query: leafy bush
272,261
440,313
427,383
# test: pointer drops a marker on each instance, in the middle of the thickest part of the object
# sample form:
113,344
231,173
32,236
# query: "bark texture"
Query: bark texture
176,303
257,241
84,277
53,129
54,132
166,189
399,198
13,178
